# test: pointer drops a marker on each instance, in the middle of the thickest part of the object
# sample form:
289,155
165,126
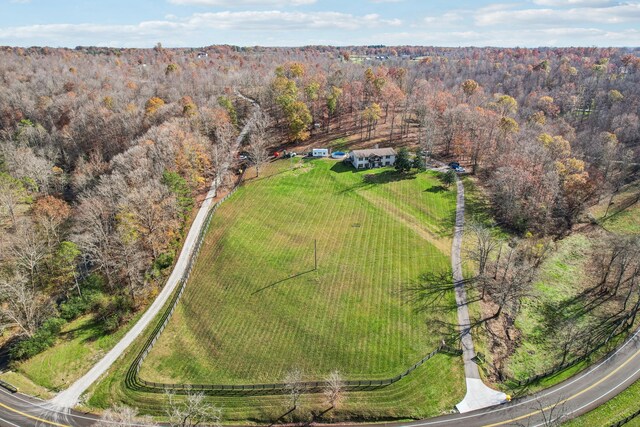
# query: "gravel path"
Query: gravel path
478,394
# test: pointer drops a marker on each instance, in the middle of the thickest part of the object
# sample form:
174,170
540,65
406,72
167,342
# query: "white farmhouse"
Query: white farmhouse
372,158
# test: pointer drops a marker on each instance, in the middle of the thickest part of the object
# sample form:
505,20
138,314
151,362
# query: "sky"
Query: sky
195,23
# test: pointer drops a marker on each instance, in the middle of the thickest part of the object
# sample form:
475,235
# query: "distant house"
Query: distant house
372,158
320,152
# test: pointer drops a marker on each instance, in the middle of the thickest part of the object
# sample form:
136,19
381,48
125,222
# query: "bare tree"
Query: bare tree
551,414
258,139
155,212
260,122
510,283
23,163
222,150
123,416
334,390
483,245
12,193
23,306
293,384
130,261
258,152
50,214
191,411
428,131
28,250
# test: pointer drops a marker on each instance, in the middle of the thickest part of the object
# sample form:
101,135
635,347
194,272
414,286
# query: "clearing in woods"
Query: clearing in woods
254,306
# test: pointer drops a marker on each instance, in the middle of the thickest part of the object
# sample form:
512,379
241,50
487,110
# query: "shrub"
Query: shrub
113,314
78,305
164,260
44,338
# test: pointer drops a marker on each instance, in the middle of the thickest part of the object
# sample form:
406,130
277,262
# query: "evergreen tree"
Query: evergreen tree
403,161
418,160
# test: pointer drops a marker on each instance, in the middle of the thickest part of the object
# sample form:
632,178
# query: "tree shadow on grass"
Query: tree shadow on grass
281,417
447,224
436,189
318,415
341,167
388,176
5,356
477,205
282,281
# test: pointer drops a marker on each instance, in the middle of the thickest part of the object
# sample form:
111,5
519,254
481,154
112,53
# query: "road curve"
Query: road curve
572,397
70,397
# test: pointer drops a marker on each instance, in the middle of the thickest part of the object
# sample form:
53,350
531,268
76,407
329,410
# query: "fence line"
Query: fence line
133,380
570,363
626,419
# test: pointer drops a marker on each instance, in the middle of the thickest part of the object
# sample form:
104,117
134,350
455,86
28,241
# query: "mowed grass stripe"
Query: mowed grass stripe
349,315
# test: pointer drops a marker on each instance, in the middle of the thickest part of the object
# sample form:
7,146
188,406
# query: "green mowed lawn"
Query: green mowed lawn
255,308
82,344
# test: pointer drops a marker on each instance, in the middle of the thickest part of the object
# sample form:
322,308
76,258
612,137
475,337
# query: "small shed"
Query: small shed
320,152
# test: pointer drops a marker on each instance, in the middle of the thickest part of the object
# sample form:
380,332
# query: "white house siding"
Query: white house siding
360,158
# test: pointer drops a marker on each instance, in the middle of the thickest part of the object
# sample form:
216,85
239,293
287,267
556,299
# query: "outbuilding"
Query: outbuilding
320,152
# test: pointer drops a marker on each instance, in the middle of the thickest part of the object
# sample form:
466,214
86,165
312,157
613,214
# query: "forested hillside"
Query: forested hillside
104,152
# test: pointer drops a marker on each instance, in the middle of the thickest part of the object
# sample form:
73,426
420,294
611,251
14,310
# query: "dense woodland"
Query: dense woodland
104,152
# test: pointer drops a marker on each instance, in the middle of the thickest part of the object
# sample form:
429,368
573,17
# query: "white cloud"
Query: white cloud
275,20
624,13
576,3
560,37
497,24
245,27
444,19
234,3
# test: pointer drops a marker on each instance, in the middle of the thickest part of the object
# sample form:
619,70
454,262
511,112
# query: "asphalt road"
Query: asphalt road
570,398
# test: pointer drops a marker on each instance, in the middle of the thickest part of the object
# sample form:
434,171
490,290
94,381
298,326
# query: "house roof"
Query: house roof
374,151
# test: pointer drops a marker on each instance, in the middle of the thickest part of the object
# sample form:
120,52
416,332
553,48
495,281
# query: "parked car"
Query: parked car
454,165
459,169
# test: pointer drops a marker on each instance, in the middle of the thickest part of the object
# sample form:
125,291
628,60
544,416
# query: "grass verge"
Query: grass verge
616,409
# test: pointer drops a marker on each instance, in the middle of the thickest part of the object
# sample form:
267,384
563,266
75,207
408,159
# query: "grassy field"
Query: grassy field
561,277
431,390
81,345
255,308
623,215
25,385
397,229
